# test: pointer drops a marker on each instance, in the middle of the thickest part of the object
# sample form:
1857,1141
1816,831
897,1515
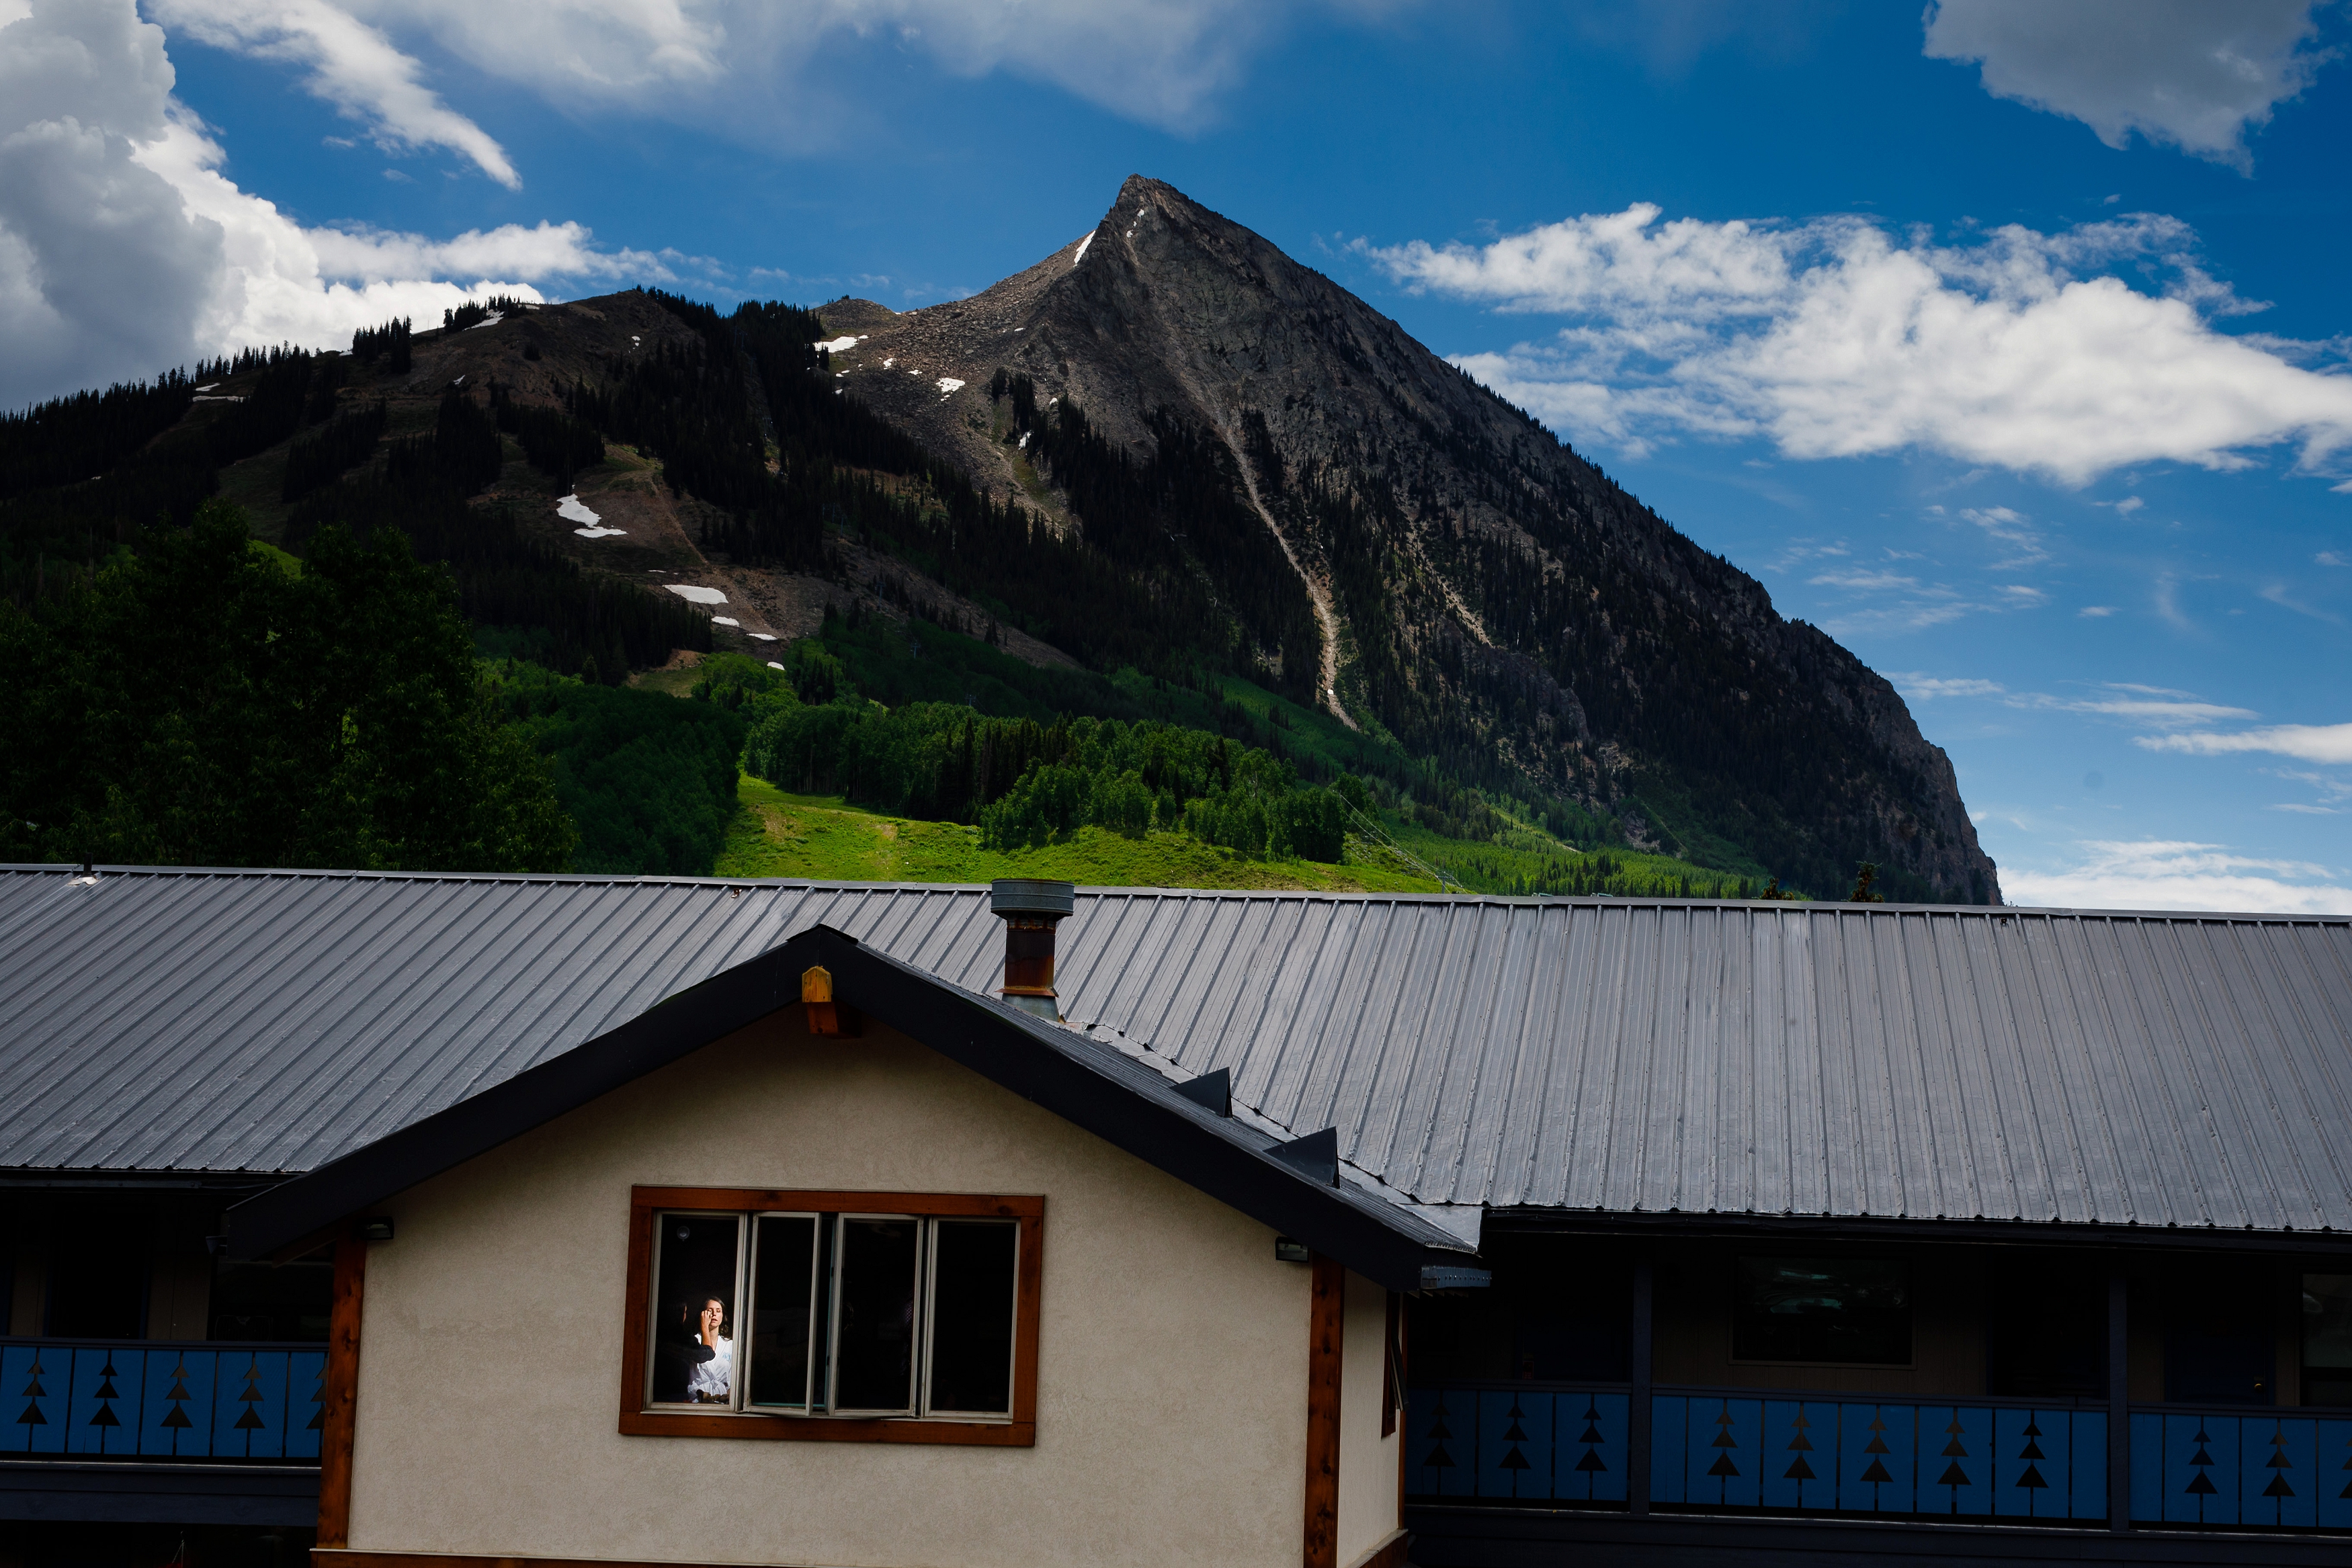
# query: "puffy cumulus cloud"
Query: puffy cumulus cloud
1836,338
2311,742
123,250
748,69
351,66
103,270
2160,874
2190,73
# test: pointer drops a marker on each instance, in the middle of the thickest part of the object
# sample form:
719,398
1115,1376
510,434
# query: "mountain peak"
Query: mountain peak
1396,543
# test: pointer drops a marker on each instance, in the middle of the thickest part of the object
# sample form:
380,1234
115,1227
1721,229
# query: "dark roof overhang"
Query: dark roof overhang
1087,1084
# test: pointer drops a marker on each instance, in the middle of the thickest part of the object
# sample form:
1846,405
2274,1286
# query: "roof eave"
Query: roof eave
1039,1062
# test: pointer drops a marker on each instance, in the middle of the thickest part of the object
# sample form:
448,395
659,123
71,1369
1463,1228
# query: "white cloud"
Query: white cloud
1835,339
123,250
1866,581
2311,742
2330,558
352,65
2157,873
2150,707
1920,689
2190,73
759,70
2095,612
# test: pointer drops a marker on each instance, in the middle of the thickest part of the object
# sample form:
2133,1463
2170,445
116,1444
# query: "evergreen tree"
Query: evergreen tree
206,702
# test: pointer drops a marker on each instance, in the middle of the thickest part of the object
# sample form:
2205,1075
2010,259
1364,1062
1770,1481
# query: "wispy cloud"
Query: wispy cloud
2009,528
1860,581
2160,873
2095,612
351,66
2152,708
2331,557
2328,742
1834,338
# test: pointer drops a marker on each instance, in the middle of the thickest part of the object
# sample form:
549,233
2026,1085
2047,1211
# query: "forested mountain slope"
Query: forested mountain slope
1377,533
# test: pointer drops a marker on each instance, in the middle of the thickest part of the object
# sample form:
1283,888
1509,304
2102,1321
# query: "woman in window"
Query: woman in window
709,1381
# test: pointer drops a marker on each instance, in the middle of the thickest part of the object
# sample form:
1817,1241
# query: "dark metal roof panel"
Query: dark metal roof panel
1614,1055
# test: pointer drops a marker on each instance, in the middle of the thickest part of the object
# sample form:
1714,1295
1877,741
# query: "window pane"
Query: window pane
972,1316
98,1273
694,1308
2217,1335
2328,1339
875,1340
2045,1327
781,1287
1850,1310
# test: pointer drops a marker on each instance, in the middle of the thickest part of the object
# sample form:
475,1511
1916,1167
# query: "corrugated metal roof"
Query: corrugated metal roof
1622,1056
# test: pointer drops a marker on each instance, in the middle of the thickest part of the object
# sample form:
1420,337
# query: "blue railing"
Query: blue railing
147,1399
1808,1455
1516,1442
2243,1468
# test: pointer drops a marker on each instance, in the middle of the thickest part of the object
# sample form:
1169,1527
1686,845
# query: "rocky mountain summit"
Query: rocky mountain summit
1393,541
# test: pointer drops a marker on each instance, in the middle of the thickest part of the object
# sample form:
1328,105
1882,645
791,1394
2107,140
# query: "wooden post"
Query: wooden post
2119,1399
1637,1378
1326,1328
340,1411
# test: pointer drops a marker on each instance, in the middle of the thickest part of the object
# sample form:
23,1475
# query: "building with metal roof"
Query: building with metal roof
1729,1122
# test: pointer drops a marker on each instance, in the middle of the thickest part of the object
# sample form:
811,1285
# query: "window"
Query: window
2217,1335
2328,1339
2045,1326
1854,1311
97,1272
889,1317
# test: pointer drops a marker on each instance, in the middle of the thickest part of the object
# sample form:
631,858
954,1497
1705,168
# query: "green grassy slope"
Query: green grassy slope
779,834
819,837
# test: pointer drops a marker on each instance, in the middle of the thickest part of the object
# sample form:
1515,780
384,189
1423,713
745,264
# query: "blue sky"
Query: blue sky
2007,342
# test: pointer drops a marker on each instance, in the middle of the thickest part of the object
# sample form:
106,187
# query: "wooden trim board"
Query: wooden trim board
340,1394
1327,1330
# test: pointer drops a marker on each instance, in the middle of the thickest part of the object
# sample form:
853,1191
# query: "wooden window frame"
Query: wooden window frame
1020,1432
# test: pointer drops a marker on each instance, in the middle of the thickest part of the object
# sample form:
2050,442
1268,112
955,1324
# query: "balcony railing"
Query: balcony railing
160,1399
1977,1461
2250,1470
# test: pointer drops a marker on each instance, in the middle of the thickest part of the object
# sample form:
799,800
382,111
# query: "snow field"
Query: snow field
694,593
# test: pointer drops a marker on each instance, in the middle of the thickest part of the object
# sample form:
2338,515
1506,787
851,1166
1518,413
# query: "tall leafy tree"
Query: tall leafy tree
208,701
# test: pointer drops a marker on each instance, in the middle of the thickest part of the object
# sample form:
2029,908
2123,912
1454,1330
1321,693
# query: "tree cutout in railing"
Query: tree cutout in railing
106,1396
176,1419
2200,1485
33,1392
1439,1459
1956,1451
2032,1480
1592,1464
2281,1464
1515,1434
1725,1441
251,1399
1798,1470
1876,1447
319,1417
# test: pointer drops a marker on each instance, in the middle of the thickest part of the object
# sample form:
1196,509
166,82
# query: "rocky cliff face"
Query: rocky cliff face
1393,542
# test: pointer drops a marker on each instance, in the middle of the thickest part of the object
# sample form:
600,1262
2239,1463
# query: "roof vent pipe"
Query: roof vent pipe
1031,909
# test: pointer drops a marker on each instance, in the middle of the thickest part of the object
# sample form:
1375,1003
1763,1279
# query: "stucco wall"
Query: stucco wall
1172,1354
1367,1461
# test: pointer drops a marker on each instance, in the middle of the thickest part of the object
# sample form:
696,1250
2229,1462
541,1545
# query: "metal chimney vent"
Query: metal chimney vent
1031,909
